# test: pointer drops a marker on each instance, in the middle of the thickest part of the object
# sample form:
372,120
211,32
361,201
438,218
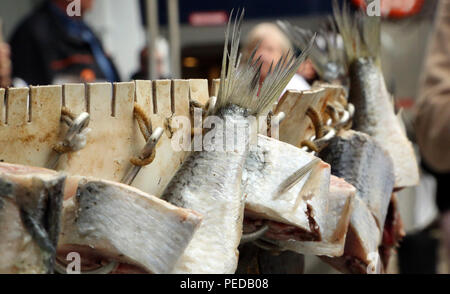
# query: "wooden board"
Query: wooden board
297,126
30,125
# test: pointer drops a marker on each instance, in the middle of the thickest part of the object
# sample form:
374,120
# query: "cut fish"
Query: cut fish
30,210
103,220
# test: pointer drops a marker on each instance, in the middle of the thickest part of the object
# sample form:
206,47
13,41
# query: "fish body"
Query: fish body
210,182
362,162
122,223
108,221
30,210
375,116
374,108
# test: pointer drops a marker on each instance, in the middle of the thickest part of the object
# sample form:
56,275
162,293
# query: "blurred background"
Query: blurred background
186,38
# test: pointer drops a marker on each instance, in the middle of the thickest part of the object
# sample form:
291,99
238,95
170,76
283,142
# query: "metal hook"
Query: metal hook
146,152
78,125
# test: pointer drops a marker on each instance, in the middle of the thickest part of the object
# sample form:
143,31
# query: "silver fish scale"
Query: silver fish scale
210,183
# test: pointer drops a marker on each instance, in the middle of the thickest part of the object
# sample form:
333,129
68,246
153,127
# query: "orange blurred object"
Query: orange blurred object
88,75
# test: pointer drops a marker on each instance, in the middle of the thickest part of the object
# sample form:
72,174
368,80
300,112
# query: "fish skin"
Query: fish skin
30,210
362,162
267,168
124,224
210,182
333,214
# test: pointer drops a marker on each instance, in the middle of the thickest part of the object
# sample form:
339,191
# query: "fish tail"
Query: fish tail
360,32
239,83
327,54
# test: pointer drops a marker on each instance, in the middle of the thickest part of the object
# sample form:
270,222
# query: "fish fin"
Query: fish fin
296,177
327,54
239,84
360,33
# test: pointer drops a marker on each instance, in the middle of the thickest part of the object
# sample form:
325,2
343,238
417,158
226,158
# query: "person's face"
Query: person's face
270,51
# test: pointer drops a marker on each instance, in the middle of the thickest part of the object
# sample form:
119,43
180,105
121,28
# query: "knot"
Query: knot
145,125
317,121
143,161
76,137
310,144
144,122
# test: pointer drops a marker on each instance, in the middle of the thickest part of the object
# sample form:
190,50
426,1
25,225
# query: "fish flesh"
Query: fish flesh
374,113
210,181
271,196
361,244
361,161
310,213
332,213
30,210
105,221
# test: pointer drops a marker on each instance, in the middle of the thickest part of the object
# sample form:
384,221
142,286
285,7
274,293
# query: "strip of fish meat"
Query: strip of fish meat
30,209
361,245
361,161
374,108
332,214
107,221
393,232
124,224
301,210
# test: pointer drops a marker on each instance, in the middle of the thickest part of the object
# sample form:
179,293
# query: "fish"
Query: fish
210,181
124,224
116,228
299,206
30,211
361,161
374,109
332,214
361,254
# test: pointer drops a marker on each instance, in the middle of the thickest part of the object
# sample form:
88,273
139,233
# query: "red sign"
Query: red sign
396,8
208,18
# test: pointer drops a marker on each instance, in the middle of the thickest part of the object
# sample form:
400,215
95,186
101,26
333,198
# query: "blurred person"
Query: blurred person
51,47
162,62
433,116
272,45
5,66
307,71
